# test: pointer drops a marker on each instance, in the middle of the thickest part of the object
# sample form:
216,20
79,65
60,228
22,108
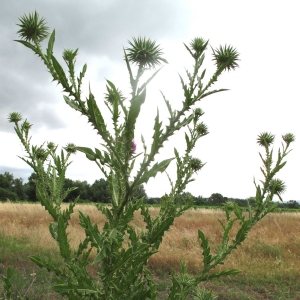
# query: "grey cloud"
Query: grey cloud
17,172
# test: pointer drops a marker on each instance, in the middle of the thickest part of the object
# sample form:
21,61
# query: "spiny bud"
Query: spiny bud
202,129
288,138
198,45
113,95
69,55
51,146
33,28
277,186
198,112
145,52
41,154
265,138
14,117
70,148
229,205
26,126
226,57
196,164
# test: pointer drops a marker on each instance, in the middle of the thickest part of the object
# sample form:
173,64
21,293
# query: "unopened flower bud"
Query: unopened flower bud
196,164
288,138
41,154
70,148
51,146
198,112
202,129
265,138
14,117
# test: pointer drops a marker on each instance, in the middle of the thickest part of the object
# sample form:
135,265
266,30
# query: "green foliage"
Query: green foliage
7,195
11,188
7,283
122,252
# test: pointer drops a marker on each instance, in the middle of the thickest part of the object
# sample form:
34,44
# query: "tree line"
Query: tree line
14,189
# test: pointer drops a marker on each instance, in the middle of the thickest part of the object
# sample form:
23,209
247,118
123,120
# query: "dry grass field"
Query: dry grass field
270,255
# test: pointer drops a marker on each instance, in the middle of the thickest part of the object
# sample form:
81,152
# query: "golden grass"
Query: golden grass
271,249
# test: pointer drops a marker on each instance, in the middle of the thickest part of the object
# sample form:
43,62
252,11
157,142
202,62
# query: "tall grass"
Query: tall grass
270,254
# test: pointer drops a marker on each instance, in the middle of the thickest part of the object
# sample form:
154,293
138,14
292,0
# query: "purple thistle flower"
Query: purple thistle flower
133,148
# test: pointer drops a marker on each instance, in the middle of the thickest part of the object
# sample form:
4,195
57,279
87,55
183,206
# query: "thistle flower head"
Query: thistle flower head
14,117
69,55
265,138
70,148
226,57
133,148
196,164
41,153
51,146
112,95
26,125
278,186
33,28
145,52
229,205
198,45
288,138
198,112
202,129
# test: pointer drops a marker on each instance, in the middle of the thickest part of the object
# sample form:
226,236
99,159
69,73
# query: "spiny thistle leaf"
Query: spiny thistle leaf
161,167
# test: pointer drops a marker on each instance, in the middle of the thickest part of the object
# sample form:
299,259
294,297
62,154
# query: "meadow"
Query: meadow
269,258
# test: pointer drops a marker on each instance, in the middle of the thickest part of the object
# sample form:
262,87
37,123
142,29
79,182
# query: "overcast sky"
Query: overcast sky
263,95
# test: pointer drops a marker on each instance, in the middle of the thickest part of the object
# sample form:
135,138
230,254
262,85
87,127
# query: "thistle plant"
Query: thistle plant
121,252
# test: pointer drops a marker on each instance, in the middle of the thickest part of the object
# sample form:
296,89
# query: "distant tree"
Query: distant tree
200,201
100,191
30,188
216,199
14,187
184,198
292,204
141,192
19,189
69,183
251,200
152,200
7,195
6,181
83,190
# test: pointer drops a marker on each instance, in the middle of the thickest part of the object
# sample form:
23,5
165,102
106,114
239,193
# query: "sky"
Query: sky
263,92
